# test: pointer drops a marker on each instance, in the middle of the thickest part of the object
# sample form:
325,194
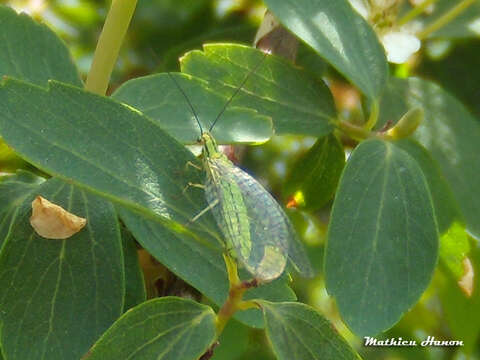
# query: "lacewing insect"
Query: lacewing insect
256,230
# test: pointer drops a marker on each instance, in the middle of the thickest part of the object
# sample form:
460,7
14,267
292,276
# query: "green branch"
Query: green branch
108,46
417,10
445,18
234,301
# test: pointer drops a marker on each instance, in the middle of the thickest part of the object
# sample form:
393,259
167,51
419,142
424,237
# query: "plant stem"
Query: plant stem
353,131
445,18
417,10
372,120
234,301
232,271
108,46
229,307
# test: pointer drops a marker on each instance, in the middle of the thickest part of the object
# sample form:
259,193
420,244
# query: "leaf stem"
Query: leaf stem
445,18
417,10
109,43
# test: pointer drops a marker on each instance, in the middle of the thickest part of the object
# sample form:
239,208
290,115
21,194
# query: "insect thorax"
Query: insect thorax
210,147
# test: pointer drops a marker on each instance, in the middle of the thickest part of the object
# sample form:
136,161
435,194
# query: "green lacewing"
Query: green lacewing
256,230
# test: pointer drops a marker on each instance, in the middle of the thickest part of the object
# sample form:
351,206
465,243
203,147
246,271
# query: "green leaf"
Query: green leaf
158,97
393,105
199,264
454,244
132,162
309,59
58,296
312,231
32,52
463,82
299,332
165,328
339,35
10,161
454,247
461,312
382,237
446,208
135,292
233,341
234,31
297,102
105,147
451,135
465,25
14,189
313,178
298,259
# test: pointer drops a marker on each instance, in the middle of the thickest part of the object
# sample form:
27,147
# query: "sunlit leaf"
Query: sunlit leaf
32,52
158,97
296,102
339,35
103,146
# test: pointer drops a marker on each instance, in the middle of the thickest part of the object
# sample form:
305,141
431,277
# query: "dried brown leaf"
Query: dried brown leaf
466,282
52,221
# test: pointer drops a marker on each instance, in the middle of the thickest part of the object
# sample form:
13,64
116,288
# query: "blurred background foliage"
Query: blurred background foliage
161,32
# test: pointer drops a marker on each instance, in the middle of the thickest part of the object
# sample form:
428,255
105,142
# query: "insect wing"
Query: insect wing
290,242
229,210
297,256
268,231
288,239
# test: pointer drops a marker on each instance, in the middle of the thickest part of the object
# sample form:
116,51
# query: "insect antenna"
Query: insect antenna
238,90
188,102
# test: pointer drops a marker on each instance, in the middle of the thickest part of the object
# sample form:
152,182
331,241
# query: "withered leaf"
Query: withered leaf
52,221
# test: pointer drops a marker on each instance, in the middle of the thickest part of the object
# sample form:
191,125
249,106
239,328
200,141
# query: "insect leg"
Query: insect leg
189,163
209,207
200,186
